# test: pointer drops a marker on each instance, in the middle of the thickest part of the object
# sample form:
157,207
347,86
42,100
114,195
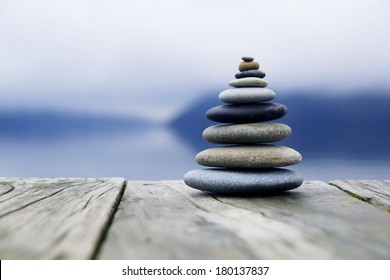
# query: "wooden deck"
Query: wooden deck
110,218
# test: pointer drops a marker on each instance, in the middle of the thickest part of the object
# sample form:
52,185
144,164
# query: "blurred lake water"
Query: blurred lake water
145,153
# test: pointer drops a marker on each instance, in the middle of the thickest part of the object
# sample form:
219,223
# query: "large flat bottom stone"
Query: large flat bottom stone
232,181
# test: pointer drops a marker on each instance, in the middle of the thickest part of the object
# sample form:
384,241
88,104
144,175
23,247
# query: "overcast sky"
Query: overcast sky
154,57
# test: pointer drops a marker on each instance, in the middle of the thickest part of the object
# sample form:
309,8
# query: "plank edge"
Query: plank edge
104,232
370,200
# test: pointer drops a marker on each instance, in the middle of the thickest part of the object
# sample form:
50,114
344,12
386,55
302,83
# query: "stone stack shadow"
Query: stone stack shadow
247,163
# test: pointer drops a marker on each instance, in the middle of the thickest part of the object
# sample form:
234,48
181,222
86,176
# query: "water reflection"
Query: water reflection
142,153
328,169
150,153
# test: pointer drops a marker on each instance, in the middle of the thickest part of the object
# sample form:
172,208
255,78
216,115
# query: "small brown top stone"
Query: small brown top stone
244,66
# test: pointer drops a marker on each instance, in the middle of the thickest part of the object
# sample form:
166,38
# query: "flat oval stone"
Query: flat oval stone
243,181
250,156
247,58
252,65
248,82
248,133
246,113
250,73
246,95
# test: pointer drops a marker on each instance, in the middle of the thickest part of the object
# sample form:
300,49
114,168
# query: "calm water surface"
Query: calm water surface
146,154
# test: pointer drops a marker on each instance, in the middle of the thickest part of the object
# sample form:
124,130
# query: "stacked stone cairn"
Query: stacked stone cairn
247,163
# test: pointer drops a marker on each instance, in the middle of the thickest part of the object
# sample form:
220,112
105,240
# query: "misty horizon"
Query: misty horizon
109,57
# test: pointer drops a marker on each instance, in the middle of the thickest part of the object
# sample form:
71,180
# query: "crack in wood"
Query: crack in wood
372,192
11,188
31,203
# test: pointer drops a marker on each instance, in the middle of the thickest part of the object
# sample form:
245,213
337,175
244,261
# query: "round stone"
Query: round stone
248,82
248,133
250,156
246,113
247,58
244,66
243,181
250,73
246,95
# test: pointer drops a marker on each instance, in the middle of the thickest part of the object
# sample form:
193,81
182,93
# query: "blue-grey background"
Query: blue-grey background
120,88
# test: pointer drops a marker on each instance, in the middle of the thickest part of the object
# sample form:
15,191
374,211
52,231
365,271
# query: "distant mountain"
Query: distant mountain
328,126
53,124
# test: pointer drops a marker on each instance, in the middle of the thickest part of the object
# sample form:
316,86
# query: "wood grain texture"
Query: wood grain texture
68,218
157,221
55,218
168,220
371,191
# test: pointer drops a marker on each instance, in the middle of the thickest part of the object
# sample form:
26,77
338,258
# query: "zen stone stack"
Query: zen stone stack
247,162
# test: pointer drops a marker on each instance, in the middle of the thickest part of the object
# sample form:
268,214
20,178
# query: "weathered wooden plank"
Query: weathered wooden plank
55,218
372,191
168,220
336,224
156,221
